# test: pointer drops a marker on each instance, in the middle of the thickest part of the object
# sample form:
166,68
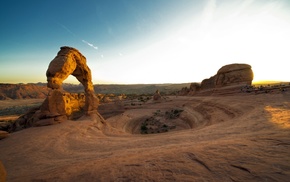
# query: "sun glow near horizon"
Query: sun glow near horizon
131,42
222,34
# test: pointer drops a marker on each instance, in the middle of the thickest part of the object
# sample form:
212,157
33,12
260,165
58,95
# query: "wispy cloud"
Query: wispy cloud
89,44
73,34
68,30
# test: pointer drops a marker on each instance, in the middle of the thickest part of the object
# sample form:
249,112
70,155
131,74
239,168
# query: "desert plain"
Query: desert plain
234,137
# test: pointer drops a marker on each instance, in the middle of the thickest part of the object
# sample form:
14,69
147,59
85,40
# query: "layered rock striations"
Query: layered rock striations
229,75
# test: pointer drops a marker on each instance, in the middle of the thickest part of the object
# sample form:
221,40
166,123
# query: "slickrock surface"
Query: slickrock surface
231,138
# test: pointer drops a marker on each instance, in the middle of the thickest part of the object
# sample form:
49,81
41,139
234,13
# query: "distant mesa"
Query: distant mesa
22,91
60,105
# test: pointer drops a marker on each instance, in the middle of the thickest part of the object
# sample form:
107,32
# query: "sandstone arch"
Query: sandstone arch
69,61
60,104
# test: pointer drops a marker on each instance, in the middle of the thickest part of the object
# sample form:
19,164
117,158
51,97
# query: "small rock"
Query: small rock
3,134
45,122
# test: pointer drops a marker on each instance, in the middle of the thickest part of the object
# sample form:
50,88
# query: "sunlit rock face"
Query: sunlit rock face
230,75
69,61
60,105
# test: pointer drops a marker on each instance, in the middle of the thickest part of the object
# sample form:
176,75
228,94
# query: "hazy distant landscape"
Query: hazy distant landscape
40,90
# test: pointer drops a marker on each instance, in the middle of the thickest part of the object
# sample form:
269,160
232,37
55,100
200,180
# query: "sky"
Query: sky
145,41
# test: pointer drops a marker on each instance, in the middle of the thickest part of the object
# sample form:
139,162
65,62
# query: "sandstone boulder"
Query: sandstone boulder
234,74
157,96
230,75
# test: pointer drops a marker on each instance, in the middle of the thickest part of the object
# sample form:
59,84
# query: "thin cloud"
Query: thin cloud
68,30
73,34
89,44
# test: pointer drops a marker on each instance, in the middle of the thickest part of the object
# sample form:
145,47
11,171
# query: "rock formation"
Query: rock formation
157,96
229,75
69,61
193,88
59,104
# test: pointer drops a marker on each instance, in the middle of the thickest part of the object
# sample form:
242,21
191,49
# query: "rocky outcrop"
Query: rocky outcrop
193,88
229,75
232,75
60,105
69,61
208,83
157,96
57,107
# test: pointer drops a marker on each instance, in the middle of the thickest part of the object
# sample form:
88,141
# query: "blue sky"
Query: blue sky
145,41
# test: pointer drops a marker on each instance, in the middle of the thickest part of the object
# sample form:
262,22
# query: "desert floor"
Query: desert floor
243,137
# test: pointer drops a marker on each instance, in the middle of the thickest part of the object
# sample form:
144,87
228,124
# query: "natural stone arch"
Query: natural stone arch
60,104
69,61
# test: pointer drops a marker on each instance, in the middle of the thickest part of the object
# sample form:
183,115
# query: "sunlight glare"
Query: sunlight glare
279,116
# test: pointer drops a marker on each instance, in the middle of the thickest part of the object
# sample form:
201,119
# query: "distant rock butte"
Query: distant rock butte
230,75
60,105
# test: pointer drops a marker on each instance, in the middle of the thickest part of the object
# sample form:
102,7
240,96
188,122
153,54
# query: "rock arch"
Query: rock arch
60,104
69,61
